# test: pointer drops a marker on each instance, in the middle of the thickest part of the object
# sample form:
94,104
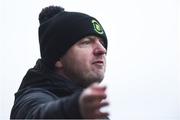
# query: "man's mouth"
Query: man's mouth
98,62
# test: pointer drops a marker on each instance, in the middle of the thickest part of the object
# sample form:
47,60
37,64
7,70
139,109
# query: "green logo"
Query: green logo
97,27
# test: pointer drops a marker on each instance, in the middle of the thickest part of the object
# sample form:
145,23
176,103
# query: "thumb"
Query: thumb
98,87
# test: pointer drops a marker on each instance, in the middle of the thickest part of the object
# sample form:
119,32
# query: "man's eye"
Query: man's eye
102,42
86,42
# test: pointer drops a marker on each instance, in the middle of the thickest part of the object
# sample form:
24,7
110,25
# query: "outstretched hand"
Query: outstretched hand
92,100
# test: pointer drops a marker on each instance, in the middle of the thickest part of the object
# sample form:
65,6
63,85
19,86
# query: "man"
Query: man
64,82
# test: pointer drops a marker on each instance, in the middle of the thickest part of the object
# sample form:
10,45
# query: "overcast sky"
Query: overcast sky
143,60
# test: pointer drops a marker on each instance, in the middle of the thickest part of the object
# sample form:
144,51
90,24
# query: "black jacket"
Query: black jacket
44,94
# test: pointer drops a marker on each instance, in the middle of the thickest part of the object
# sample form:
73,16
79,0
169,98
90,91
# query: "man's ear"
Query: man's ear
59,64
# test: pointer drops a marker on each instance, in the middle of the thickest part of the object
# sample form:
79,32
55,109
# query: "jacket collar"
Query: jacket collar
41,76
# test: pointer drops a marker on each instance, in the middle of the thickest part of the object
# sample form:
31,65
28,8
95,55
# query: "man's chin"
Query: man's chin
91,81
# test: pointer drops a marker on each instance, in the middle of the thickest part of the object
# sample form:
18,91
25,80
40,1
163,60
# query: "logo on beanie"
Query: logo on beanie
97,27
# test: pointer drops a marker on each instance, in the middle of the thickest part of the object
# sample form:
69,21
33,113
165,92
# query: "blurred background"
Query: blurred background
143,60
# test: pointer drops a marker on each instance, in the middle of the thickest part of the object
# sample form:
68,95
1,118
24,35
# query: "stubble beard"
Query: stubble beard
90,78
85,78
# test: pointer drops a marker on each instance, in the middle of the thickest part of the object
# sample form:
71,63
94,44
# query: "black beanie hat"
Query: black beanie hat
60,29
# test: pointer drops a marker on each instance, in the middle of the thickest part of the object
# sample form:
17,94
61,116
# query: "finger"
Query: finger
98,87
98,105
101,115
95,96
102,104
94,93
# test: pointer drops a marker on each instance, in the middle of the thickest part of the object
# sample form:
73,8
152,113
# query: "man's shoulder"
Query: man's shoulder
35,94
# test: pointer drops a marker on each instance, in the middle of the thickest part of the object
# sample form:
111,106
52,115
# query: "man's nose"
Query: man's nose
99,49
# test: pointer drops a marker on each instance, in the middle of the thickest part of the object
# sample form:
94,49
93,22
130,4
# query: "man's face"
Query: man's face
85,61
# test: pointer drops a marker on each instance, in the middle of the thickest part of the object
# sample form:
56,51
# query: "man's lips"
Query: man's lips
98,62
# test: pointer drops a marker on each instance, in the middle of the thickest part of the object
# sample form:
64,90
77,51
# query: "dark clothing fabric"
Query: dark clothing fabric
44,94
